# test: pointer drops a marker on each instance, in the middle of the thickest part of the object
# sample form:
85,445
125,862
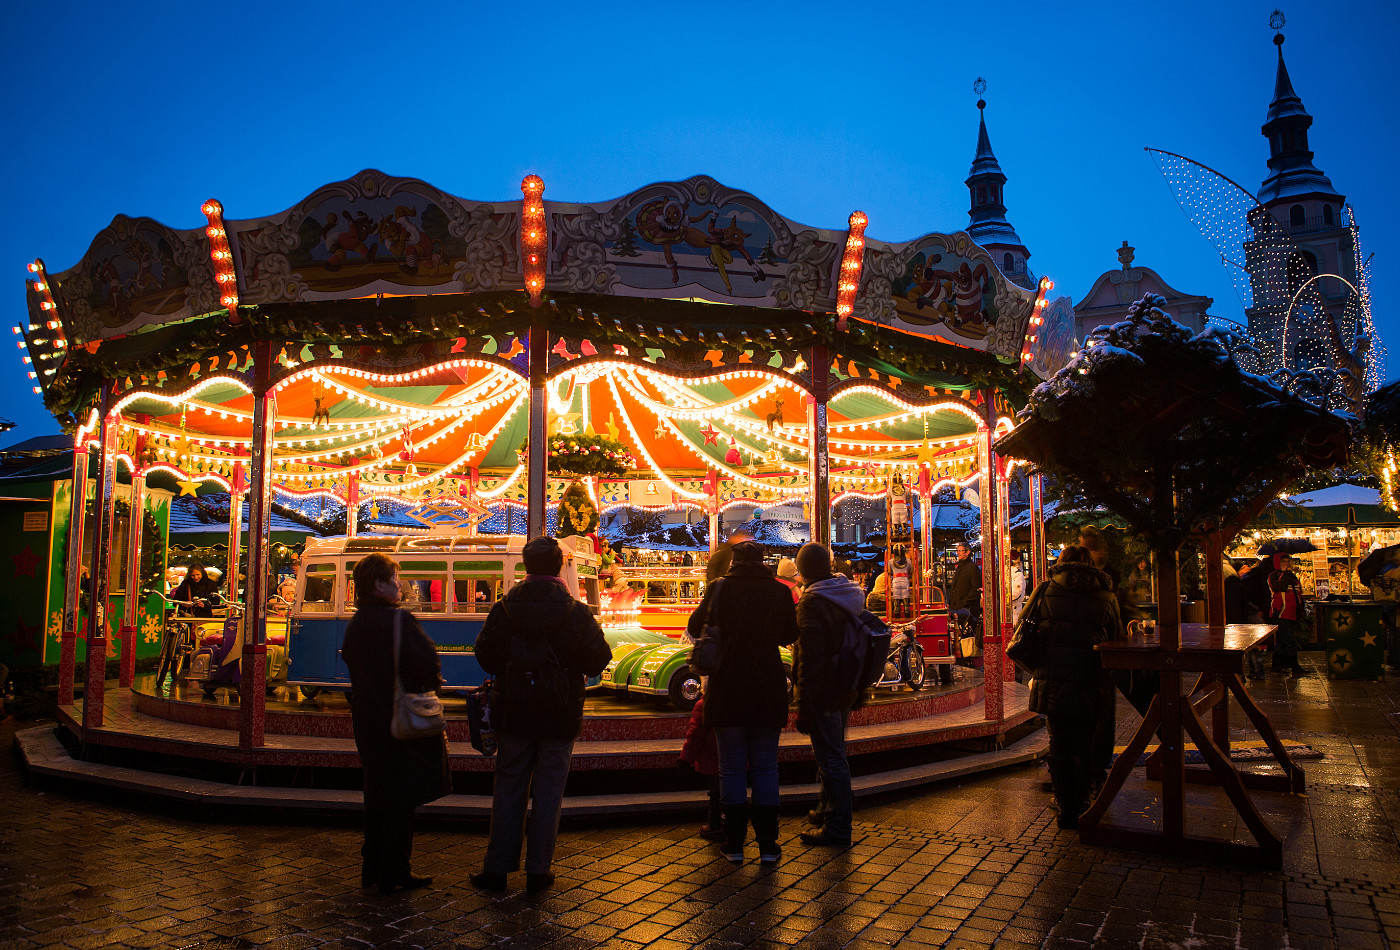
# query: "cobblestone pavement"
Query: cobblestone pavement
977,863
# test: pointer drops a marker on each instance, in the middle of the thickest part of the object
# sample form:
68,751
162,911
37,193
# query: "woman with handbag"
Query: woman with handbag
1067,615
400,774
746,701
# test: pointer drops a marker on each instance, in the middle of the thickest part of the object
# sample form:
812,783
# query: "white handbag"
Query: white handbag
416,715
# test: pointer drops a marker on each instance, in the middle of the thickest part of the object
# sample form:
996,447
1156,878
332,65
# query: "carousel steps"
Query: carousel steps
46,756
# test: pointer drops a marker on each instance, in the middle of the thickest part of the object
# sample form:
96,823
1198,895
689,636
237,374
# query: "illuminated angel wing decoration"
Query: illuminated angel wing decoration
1274,279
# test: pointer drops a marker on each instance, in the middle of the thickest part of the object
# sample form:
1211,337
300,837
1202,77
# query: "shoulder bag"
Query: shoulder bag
708,652
483,735
1027,645
416,715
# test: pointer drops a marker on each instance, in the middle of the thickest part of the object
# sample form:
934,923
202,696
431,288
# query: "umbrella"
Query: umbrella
1375,564
1286,546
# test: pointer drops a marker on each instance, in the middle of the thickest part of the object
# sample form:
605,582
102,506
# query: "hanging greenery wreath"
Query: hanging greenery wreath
577,514
578,456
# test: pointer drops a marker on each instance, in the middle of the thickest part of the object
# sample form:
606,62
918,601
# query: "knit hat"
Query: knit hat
787,568
814,561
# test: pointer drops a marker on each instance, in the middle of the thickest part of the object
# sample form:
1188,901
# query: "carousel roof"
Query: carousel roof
394,322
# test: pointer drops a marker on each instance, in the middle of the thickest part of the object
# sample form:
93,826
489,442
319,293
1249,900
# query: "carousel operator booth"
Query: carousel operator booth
478,368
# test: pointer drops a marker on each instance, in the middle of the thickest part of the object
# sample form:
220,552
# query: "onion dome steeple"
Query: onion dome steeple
987,214
1293,174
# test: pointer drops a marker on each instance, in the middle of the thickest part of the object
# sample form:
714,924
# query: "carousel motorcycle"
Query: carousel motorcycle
217,662
181,635
904,664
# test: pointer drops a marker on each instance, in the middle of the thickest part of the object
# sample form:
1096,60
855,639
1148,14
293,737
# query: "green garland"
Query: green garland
577,514
587,454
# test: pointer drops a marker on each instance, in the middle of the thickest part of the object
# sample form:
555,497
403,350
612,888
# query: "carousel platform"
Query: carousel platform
183,746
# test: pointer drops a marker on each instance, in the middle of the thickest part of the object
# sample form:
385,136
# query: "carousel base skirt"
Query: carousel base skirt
186,747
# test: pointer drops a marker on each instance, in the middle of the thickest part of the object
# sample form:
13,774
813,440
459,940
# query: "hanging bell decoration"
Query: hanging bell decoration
476,442
772,456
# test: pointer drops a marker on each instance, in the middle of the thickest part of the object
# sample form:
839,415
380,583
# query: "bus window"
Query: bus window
318,591
476,585
422,586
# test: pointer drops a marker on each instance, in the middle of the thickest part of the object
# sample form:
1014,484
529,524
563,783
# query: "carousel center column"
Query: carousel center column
72,578
253,689
818,462
135,522
537,455
992,603
238,485
1038,552
101,567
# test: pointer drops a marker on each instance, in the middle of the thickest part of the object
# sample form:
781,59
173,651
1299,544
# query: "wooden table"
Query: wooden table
1216,654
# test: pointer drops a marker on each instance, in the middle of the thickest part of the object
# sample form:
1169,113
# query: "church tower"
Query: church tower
1304,206
987,214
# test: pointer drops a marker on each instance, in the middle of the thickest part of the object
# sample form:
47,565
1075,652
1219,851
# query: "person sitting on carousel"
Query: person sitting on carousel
280,604
199,591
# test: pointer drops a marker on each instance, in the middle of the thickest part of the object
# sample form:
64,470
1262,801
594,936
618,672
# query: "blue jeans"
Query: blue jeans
828,737
748,755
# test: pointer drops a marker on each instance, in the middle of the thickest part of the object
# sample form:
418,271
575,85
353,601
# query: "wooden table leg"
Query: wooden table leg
1173,757
1220,715
1123,767
1229,780
1297,781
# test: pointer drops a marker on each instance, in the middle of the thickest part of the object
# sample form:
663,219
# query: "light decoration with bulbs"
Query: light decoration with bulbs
533,236
221,256
852,259
1266,267
45,344
1036,321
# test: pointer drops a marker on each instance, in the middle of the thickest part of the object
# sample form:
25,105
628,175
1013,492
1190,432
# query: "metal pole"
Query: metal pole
818,461
992,587
235,530
101,560
1038,552
127,635
537,460
253,689
68,639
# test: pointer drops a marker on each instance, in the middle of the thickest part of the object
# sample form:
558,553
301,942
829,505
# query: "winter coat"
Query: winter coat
965,590
205,588
826,609
700,749
541,607
1075,610
756,616
1236,608
1286,602
397,771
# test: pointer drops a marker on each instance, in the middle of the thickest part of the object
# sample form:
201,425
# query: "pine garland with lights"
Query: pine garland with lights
585,454
577,515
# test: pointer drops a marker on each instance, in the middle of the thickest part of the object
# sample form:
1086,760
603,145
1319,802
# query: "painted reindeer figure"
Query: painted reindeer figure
776,416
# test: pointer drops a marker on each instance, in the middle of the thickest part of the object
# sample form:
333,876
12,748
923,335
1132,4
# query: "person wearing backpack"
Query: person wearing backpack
541,644
827,686
746,695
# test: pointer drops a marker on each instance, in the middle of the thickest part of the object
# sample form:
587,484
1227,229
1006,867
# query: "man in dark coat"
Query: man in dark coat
965,589
400,774
1076,610
542,644
746,698
830,603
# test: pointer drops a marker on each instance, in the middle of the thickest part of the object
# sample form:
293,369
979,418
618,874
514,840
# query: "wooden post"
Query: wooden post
1215,579
1169,681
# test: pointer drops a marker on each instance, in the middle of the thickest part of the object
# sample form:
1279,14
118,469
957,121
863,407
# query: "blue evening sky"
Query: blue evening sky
817,108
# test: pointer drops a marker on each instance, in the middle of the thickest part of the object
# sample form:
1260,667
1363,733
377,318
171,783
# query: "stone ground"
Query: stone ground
976,863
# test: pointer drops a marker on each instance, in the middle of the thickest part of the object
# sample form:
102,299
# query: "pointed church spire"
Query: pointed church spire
987,224
1286,127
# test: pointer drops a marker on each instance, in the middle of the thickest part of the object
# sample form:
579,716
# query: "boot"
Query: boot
765,829
736,829
1067,793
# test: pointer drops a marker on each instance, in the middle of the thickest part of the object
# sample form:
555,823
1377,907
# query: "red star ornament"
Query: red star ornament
709,432
25,562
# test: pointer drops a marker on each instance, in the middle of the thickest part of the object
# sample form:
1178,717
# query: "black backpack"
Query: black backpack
535,680
865,646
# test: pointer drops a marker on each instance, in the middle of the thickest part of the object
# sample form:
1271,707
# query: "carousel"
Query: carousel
446,372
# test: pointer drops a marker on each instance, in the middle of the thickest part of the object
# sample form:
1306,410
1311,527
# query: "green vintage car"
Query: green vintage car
662,669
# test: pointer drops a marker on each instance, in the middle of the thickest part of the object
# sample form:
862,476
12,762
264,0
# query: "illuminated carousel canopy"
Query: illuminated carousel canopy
682,322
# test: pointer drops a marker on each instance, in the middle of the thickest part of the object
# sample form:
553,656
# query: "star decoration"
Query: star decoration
1368,639
709,432
1342,620
150,630
25,562
26,637
190,487
1341,660
926,455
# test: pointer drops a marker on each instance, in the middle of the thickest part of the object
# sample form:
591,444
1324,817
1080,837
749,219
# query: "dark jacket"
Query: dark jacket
1076,609
756,616
826,609
412,771
204,589
541,608
965,589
